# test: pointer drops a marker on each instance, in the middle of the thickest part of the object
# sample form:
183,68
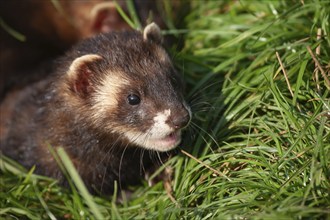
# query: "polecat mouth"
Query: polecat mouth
169,141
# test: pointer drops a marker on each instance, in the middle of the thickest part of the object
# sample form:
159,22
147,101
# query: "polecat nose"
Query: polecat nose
180,118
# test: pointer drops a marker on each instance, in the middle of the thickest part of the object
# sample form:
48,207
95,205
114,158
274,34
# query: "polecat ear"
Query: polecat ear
152,33
105,18
80,73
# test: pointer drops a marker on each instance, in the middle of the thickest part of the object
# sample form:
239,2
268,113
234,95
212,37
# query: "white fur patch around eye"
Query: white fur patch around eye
106,95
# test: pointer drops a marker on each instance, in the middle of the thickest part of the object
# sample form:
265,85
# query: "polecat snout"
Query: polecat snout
113,102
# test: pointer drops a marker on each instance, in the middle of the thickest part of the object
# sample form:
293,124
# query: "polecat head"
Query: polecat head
125,84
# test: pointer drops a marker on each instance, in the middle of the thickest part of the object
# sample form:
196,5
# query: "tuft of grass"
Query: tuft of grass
259,144
11,31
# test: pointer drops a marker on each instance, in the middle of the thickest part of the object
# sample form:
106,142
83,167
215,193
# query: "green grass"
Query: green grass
257,151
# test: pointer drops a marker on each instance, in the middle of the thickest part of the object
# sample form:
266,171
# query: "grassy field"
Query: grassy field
257,76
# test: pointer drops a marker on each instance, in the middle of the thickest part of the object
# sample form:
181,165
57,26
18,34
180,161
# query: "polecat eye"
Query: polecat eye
133,99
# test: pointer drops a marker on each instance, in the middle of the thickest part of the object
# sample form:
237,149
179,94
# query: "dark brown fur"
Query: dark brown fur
57,111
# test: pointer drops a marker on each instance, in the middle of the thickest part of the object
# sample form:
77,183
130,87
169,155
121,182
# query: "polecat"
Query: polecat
115,104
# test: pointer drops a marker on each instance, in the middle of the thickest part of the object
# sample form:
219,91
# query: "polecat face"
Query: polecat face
129,87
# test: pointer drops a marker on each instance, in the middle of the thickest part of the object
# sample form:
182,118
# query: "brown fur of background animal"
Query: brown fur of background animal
50,28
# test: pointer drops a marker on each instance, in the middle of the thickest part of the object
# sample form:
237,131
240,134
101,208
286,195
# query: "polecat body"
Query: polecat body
115,104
